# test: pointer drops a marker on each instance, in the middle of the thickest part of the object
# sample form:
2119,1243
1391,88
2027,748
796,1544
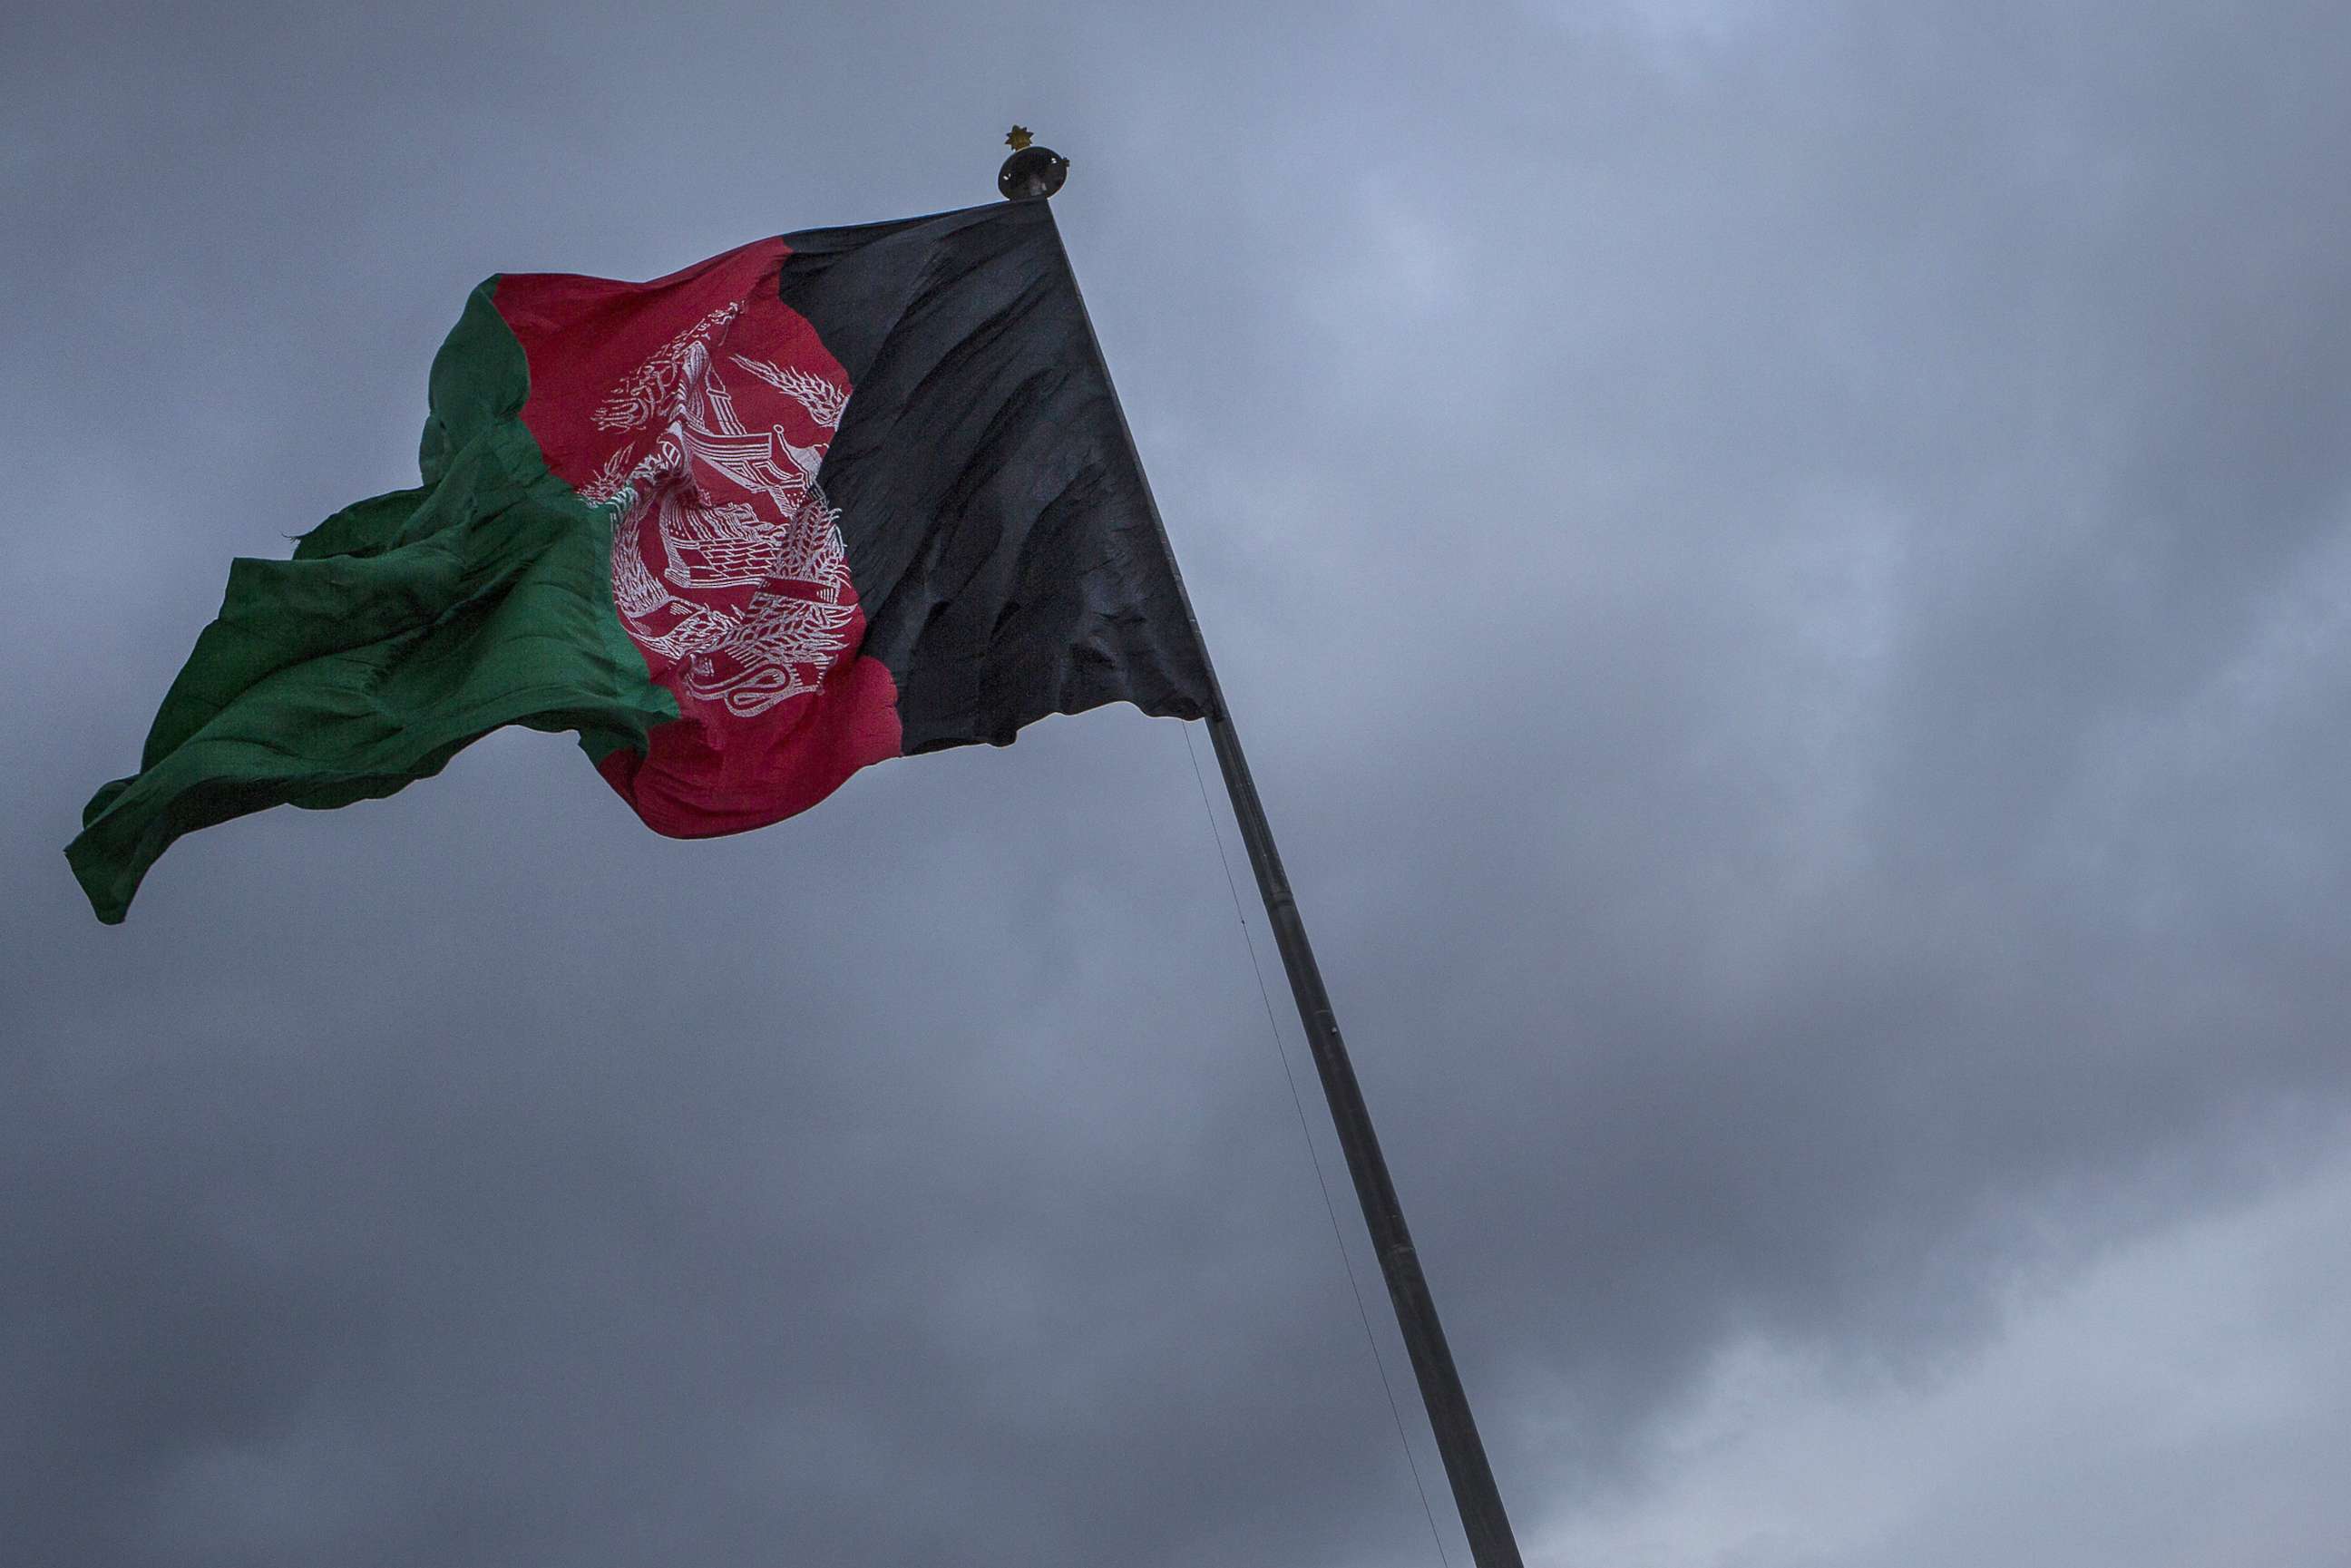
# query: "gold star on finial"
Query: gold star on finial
1017,138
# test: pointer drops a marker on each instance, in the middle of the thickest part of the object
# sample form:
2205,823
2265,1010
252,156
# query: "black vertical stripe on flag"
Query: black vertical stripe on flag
998,530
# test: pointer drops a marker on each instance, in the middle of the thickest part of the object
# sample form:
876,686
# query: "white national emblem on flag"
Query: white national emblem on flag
741,584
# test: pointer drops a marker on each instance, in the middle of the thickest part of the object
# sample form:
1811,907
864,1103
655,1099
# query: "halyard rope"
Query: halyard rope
1298,1103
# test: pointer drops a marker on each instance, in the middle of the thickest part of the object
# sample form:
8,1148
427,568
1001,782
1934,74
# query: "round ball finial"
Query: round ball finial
1032,173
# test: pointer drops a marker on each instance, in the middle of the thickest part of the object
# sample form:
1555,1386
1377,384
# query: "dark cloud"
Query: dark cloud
1783,575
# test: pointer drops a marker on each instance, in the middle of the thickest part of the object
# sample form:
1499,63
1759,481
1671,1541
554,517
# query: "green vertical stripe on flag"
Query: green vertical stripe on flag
404,629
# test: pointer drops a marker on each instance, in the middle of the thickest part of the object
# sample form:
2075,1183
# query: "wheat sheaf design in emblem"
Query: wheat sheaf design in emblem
727,562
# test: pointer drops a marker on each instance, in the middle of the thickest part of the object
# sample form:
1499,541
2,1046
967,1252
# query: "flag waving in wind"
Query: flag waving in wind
827,499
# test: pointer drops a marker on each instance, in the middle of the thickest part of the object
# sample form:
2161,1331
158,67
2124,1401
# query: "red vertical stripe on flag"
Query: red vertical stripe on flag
695,411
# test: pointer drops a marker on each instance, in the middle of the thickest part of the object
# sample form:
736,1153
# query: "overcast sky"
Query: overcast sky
1786,569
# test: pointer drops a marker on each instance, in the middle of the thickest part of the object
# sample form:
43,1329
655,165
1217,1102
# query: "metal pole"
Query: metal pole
1483,1521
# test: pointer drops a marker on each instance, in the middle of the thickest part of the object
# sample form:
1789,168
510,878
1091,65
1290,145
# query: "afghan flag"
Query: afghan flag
840,495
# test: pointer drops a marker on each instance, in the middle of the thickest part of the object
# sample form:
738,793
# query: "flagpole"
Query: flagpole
1034,173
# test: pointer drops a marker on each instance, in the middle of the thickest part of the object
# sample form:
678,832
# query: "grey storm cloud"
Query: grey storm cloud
1784,570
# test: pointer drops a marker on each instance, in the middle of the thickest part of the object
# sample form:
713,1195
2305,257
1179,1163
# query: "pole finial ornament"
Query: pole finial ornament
1032,173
